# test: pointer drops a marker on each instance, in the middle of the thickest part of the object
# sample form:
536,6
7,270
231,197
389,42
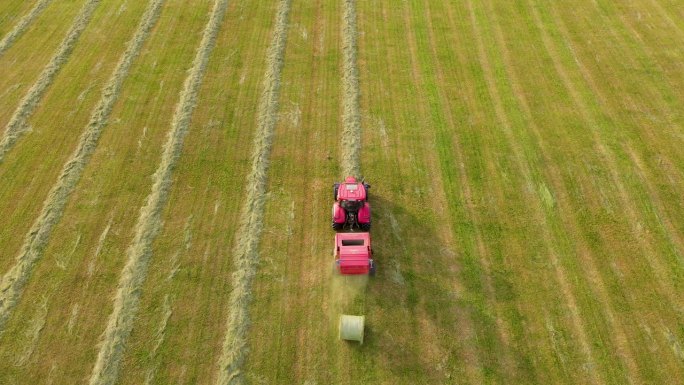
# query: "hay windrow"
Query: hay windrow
21,26
12,283
246,255
32,334
351,116
159,339
134,272
18,124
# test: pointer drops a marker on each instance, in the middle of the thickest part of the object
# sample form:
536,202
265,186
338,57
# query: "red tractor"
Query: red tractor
351,209
353,254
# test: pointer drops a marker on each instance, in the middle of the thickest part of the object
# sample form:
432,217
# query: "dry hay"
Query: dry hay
32,334
159,339
139,252
18,124
12,283
21,26
246,255
351,133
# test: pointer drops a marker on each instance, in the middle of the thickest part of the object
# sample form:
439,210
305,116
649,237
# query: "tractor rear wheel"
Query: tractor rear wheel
365,226
337,226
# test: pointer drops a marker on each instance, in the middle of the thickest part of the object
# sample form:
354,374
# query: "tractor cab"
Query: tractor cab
351,209
351,190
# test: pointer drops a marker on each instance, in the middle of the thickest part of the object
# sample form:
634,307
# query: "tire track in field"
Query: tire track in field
351,115
246,253
18,123
12,283
22,25
120,323
565,286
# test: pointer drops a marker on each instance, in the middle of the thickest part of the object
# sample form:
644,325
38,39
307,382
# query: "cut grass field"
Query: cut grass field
22,24
526,166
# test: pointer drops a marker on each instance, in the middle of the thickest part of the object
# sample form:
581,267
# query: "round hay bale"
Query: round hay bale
351,327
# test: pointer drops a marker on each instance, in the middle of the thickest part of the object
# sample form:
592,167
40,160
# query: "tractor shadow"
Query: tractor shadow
416,300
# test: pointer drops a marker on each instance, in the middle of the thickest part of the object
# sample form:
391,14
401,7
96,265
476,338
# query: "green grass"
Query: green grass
526,167
11,12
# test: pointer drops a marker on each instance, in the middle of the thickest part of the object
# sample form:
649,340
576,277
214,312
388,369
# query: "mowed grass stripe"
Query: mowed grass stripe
603,286
431,325
502,212
114,186
134,273
531,177
451,184
651,275
13,282
655,157
493,262
246,253
656,52
397,326
658,163
291,322
18,125
556,185
11,12
405,333
22,25
351,116
22,65
677,27
621,339
506,262
607,280
492,255
592,270
193,269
